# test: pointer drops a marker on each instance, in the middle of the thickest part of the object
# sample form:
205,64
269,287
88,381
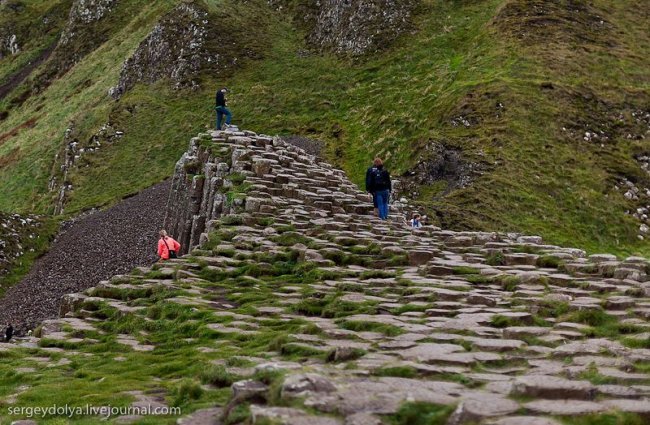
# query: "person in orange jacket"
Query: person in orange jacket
168,247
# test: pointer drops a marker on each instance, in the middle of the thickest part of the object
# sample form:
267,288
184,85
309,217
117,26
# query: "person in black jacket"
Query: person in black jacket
221,108
370,190
9,332
379,185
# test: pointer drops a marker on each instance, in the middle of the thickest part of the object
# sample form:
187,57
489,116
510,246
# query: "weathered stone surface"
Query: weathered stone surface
523,420
297,385
640,407
428,352
551,387
356,26
453,325
363,419
480,406
564,407
208,416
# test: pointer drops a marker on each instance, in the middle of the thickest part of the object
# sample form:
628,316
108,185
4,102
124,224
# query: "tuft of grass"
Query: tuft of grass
397,371
496,259
615,418
421,413
187,391
218,376
463,270
364,326
509,283
499,321
594,318
549,261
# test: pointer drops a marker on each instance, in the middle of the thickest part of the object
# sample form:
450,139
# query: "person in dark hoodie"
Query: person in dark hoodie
9,332
379,185
221,108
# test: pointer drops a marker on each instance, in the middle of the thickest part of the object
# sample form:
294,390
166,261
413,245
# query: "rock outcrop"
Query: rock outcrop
81,34
71,156
190,42
244,172
9,45
17,234
352,27
175,49
82,13
297,296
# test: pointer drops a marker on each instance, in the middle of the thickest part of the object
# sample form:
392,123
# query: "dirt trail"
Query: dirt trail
90,249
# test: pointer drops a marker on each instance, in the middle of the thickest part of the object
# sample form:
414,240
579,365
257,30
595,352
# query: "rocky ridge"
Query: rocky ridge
501,328
9,46
16,232
175,49
351,27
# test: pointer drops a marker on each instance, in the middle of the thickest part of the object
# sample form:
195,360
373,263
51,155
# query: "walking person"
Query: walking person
221,109
168,247
379,185
370,190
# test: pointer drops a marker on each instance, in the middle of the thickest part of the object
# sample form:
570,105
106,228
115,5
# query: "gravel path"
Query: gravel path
89,249
311,146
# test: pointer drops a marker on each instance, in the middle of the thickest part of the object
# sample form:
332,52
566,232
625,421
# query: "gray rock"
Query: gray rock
564,407
552,387
297,385
481,406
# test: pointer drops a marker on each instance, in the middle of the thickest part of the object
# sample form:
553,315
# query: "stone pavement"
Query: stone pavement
505,328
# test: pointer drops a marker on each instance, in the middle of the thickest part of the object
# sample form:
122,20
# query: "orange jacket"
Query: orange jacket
163,251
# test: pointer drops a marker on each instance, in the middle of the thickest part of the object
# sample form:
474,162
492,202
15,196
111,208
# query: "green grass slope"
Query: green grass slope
511,85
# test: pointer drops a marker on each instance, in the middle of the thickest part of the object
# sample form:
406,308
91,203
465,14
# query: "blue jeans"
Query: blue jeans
221,111
382,203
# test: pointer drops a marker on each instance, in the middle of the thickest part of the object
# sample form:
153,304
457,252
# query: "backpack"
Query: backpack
172,253
378,178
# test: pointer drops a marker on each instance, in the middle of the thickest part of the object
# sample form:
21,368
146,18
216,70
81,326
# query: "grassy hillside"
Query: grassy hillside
511,85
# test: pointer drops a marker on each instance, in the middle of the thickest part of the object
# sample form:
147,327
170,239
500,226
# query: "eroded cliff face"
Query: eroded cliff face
82,34
351,27
175,49
190,42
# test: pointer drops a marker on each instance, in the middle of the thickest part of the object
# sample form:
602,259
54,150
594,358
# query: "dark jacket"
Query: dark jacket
9,332
377,178
221,99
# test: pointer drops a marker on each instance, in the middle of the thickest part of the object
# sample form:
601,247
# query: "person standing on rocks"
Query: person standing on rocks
9,332
168,247
370,190
379,185
221,108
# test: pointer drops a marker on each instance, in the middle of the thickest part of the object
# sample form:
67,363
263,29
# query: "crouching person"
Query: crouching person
168,247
